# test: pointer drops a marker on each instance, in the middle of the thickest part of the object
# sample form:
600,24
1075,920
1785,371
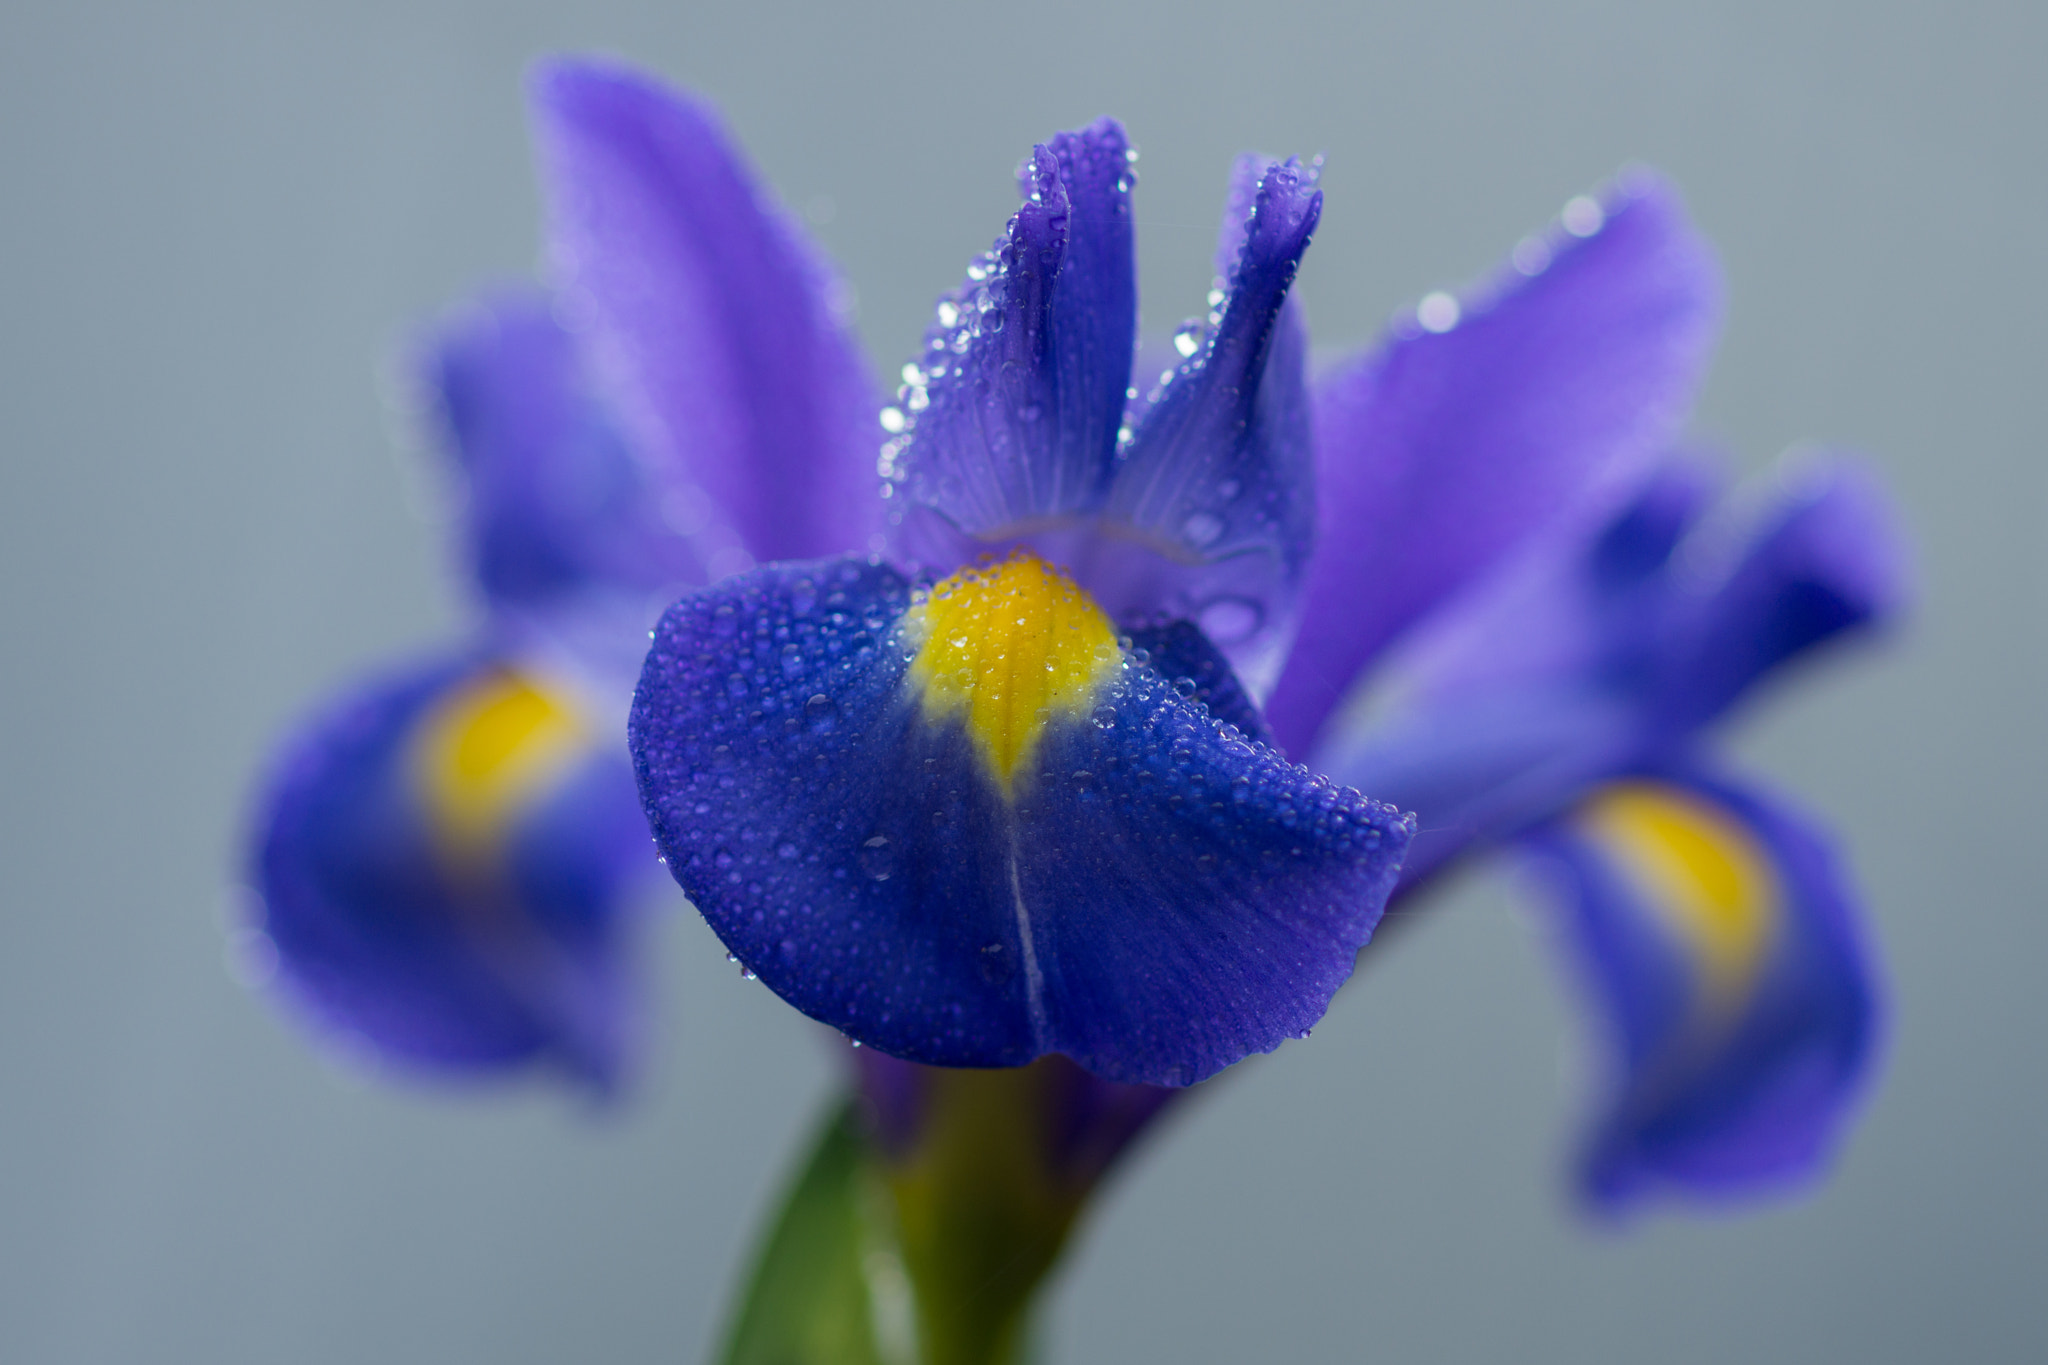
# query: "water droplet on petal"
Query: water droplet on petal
1531,256
1583,216
877,858
1438,312
1228,620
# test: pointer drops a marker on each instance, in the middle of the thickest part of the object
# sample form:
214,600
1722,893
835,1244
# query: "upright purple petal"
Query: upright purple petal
1095,297
1009,417
1485,422
1717,935
444,856
555,505
713,321
1219,472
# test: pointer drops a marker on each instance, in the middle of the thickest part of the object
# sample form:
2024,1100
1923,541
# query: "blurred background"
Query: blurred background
221,220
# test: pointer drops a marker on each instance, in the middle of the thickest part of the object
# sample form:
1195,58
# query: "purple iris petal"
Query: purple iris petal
1014,405
1156,898
1443,452
1510,704
1825,555
1606,654
710,317
555,504
1717,931
1219,472
1488,765
1008,422
451,915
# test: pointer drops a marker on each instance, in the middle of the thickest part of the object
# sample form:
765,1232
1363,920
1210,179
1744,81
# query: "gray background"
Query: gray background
217,223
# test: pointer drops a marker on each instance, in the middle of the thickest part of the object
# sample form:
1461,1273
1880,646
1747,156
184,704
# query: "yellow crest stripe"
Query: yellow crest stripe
1005,648
485,750
1700,871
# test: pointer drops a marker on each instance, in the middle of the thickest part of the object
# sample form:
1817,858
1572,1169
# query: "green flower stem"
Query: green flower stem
981,1213
930,1255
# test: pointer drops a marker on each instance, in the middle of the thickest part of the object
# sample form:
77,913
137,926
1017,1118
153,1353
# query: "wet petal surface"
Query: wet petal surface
1088,863
1220,468
1009,417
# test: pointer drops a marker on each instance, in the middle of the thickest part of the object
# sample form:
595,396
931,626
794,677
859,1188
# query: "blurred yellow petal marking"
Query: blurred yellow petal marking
488,748
1006,647
1701,872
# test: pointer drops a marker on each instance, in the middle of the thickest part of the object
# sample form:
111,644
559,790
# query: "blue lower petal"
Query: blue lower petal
469,932
1718,935
1147,892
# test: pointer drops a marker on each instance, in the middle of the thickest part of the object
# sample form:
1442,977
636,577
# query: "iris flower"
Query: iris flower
995,765
997,792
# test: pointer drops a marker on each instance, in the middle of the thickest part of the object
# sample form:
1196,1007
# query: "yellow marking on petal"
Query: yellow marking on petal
1701,871
487,749
1006,647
